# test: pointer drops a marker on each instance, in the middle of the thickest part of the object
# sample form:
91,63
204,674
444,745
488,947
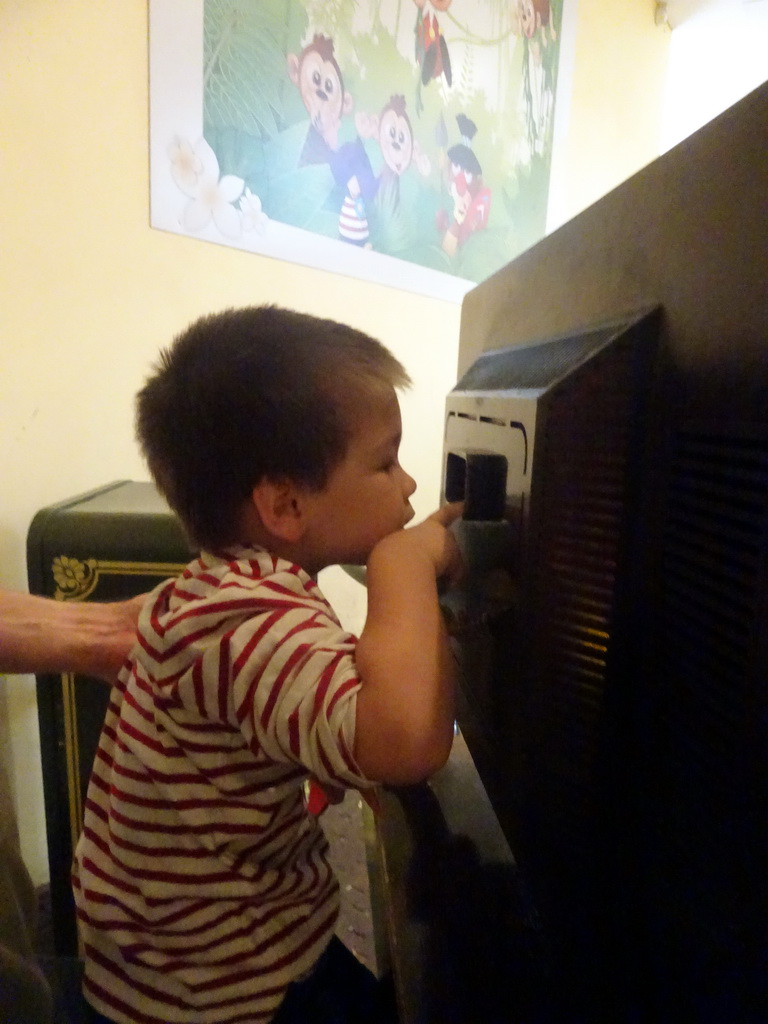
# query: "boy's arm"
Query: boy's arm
38,634
405,706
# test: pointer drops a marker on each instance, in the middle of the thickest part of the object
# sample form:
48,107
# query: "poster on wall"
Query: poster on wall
407,142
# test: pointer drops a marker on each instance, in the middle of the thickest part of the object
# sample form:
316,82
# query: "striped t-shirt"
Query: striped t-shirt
202,884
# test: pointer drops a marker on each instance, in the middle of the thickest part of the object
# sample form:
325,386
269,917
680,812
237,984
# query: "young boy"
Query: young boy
203,887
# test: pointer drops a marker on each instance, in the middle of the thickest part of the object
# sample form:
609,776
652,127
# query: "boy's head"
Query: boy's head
252,395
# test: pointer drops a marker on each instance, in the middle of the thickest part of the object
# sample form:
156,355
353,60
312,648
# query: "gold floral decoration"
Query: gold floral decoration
73,578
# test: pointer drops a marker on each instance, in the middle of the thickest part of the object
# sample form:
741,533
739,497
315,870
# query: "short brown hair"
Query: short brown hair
253,393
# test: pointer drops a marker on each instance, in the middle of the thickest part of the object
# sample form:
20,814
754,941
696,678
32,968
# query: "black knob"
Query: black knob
485,491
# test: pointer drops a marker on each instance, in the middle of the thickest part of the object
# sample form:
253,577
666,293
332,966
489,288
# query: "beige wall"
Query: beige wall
89,291
616,86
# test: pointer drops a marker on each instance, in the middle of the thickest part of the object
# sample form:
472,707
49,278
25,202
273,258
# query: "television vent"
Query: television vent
715,530
707,764
581,536
537,366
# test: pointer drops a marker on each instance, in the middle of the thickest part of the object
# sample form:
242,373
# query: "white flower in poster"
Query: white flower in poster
196,173
186,165
254,218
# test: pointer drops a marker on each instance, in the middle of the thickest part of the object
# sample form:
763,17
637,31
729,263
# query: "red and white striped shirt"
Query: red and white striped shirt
202,884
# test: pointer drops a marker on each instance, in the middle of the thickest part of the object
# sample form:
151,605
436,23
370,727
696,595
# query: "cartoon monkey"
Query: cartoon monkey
536,27
534,16
393,131
395,137
317,75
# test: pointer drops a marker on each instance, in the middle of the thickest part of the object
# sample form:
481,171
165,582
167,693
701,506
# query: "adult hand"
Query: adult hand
41,635
117,633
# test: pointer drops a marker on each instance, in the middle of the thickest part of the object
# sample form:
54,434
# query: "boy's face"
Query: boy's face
367,494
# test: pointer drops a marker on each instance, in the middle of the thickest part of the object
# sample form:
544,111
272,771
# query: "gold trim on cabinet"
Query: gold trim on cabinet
77,579
72,752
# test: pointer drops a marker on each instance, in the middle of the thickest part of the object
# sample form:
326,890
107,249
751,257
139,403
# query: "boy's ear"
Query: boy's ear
280,508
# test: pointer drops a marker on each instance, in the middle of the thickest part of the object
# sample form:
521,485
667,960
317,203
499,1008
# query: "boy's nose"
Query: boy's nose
409,484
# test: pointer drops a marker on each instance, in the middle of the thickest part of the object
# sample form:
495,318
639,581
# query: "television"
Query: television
609,433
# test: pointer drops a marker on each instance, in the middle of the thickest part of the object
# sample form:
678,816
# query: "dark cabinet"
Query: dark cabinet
116,541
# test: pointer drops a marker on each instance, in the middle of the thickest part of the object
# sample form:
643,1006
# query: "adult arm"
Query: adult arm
406,705
38,634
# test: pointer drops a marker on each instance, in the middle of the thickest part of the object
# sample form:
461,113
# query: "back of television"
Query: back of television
691,797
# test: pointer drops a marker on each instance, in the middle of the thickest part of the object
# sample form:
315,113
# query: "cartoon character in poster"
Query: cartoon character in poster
317,75
393,131
395,136
534,23
431,48
535,16
471,198
352,170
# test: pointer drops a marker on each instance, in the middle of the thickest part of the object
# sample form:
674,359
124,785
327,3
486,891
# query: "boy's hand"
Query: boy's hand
434,538
449,561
